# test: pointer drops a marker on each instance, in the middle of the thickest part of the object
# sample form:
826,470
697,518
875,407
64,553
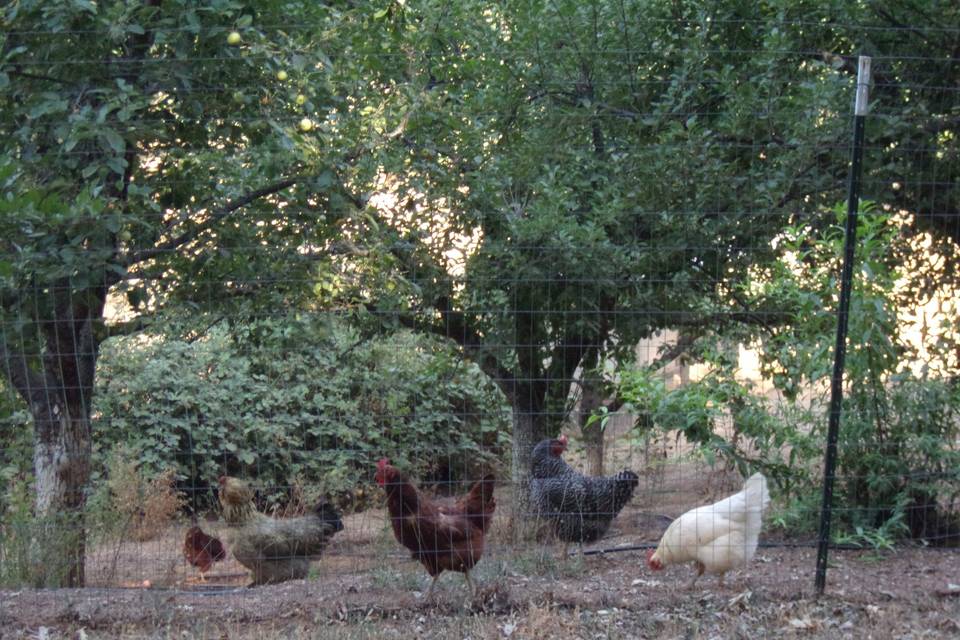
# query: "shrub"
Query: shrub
16,444
298,399
898,461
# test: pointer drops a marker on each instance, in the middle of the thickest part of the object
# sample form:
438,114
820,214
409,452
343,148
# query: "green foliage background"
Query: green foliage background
623,167
298,399
898,461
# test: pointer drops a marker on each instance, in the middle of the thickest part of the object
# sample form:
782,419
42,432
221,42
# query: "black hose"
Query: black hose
762,545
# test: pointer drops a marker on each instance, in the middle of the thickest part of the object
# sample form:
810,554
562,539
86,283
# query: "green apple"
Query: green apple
306,125
234,38
301,99
281,75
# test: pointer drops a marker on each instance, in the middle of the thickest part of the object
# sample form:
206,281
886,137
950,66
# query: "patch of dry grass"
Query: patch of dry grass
148,505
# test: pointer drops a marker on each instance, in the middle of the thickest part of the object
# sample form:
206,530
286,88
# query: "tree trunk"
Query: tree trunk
58,390
61,462
528,429
590,401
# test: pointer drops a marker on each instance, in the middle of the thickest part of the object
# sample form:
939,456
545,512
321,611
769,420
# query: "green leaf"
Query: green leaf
114,140
324,181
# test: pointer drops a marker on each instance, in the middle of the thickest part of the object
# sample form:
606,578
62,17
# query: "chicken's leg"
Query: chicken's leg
470,583
432,582
700,569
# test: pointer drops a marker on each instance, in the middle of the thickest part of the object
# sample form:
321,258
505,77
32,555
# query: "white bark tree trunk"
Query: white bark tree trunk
61,463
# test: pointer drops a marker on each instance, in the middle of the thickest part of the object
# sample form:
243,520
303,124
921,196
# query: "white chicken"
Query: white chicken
717,537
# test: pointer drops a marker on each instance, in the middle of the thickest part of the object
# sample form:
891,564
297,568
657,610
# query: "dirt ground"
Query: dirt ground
366,586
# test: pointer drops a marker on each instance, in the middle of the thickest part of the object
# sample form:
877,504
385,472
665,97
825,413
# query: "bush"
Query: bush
300,400
16,444
898,461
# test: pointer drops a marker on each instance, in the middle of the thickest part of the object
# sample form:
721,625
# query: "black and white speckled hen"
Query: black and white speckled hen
580,507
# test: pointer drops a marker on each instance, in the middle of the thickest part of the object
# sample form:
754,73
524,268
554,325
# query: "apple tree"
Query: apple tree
152,151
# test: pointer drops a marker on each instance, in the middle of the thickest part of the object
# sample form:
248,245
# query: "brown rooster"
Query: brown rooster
202,550
274,549
442,535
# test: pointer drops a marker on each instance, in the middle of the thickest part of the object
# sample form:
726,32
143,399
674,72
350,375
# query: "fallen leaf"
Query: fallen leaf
802,623
645,583
740,599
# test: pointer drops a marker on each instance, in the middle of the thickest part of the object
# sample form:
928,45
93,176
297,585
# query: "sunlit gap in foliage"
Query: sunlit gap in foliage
431,221
925,325
923,322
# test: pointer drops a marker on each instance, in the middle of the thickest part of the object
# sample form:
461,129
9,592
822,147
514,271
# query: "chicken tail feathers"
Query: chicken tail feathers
755,491
328,514
756,498
217,550
479,503
625,483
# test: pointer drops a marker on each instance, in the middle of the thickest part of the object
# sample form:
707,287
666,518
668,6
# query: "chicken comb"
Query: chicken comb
382,463
563,439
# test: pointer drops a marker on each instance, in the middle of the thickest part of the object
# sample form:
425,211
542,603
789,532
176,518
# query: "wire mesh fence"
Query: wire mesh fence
324,250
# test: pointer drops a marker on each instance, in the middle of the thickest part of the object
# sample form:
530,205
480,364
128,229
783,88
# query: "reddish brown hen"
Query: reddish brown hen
441,535
202,550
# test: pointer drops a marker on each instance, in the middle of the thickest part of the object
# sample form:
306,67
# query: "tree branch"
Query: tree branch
215,217
453,326
892,20
757,318
128,327
685,340
36,76
15,368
